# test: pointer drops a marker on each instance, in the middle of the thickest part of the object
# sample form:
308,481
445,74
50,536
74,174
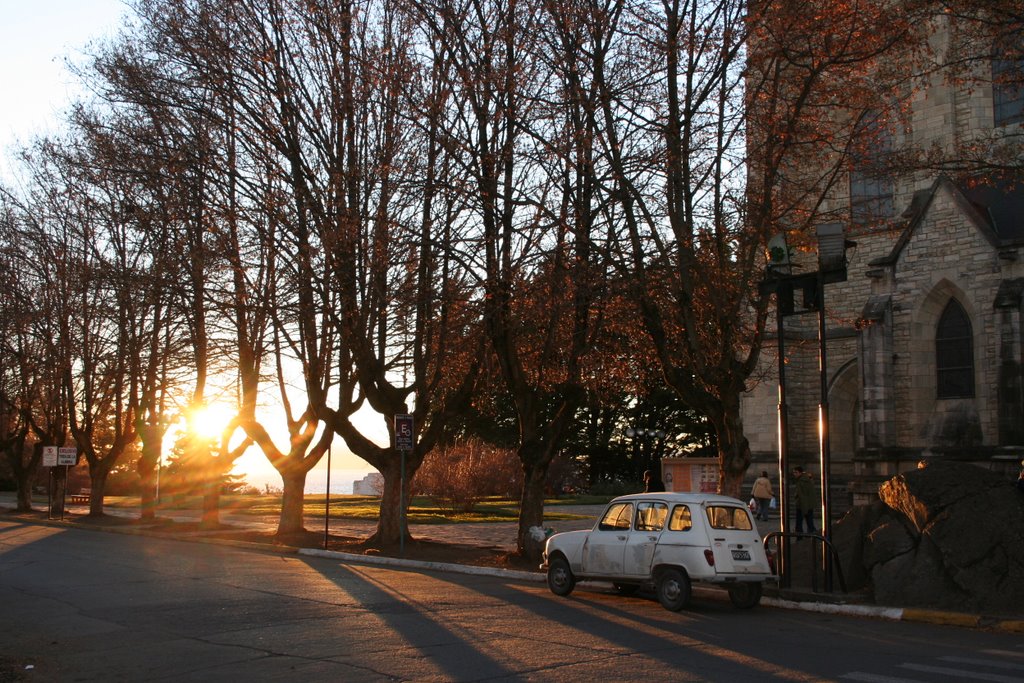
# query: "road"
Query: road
92,606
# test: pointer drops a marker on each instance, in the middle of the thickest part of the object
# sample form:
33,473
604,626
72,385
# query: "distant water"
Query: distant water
341,481
316,481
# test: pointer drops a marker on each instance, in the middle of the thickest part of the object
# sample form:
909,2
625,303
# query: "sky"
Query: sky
37,38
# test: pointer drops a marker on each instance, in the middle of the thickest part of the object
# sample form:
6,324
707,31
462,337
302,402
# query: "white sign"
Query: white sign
49,456
67,455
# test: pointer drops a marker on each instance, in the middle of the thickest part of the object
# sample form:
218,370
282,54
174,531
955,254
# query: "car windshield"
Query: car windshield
617,517
728,517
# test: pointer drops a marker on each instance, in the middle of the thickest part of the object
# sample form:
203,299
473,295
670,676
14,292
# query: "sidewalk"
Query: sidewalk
501,535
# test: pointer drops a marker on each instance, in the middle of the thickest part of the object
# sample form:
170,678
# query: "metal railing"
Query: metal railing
816,559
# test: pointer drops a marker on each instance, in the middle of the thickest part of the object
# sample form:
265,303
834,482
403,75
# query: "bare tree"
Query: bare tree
20,360
708,110
39,300
523,123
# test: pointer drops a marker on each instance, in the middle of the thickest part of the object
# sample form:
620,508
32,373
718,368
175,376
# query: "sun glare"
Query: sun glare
209,420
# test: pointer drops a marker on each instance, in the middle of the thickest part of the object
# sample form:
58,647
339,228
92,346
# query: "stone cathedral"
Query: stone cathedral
924,338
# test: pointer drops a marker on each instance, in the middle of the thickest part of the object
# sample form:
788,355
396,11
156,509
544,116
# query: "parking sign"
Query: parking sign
403,432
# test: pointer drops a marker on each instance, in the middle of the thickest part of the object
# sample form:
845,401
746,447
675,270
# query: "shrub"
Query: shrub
461,474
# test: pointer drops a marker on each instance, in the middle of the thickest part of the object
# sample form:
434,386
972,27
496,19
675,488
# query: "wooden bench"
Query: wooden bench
81,497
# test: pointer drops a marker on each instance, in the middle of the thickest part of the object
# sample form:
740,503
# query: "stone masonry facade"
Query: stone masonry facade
943,244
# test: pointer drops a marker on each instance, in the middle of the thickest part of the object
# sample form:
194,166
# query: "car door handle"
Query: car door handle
622,538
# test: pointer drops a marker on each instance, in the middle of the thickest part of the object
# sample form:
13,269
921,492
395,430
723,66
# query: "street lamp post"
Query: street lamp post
781,281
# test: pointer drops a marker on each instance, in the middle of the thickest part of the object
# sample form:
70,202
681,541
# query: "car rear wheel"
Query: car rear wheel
560,578
745,595
673,588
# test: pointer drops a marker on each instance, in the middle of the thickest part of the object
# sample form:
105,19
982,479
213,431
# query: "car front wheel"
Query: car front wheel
560,578
745,595
673,588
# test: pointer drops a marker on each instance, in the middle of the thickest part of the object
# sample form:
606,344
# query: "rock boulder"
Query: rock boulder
949,535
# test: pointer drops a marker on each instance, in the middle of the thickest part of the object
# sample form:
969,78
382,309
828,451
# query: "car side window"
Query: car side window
650,516
727,517
680,520
617,517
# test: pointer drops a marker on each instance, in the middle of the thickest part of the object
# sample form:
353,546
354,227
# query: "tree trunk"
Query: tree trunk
733,450
151,449
292,503
23,474
58,485
531,510
24,494
98,481
390,526
211,501
147,492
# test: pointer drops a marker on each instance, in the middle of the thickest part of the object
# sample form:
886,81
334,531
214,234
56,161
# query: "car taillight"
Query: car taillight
709,555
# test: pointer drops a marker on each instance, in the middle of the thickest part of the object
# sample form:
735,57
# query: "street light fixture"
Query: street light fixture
644,434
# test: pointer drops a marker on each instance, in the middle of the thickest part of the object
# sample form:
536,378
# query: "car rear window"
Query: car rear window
617,517
680,520
728,517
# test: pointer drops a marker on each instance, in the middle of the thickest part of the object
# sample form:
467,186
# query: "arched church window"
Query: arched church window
954,353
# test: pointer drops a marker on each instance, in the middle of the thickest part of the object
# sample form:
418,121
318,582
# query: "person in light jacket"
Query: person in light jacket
763,494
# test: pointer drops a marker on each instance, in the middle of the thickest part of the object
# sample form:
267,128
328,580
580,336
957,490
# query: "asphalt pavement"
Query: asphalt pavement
502,535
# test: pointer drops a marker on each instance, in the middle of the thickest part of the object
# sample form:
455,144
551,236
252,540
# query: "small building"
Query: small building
370,485
690,475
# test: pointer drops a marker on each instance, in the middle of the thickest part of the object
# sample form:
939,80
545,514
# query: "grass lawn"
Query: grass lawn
422,510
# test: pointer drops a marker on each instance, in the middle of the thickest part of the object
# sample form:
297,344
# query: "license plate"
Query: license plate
741,554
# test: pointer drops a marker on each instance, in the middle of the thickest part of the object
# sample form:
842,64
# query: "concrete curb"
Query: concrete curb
888,613
385,561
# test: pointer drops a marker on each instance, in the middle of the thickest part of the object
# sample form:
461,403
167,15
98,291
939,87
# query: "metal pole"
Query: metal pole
327,501
401,508
64,494
823,432
783,426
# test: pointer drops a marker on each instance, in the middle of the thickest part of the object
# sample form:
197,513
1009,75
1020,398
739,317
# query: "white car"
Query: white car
668,541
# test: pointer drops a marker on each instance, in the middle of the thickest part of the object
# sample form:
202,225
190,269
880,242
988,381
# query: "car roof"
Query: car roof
679,497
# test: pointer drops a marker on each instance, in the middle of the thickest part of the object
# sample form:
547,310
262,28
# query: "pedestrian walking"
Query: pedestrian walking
805,499
762,493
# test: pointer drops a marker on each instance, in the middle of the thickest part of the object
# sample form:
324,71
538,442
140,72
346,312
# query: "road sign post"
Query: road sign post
404,441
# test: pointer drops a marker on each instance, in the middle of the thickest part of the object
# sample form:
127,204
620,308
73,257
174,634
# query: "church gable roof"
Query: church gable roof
995,209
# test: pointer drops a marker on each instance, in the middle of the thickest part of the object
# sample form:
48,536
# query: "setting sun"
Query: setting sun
209,420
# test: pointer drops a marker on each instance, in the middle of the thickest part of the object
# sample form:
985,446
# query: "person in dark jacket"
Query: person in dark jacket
652,482
805,499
